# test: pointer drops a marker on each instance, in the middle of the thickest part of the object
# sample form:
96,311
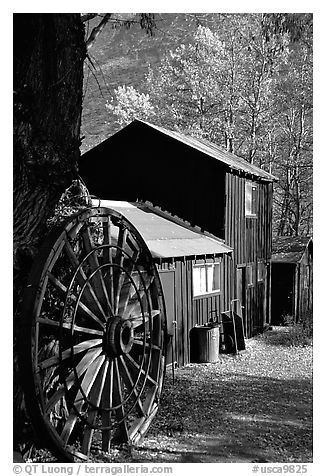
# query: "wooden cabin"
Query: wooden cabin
291,278
204,185
191,266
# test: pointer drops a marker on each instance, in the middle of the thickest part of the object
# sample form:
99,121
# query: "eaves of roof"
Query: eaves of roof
213,150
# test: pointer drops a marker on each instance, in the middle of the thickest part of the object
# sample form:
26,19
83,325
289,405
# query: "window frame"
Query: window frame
216,275
252,212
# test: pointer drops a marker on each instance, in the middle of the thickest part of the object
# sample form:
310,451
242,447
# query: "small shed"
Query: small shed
192,267
291,277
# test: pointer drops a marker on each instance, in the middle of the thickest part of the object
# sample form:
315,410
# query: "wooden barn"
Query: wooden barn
291,277
209,188
182,255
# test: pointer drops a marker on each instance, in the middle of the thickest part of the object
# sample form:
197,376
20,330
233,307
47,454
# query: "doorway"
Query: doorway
241,293
168,285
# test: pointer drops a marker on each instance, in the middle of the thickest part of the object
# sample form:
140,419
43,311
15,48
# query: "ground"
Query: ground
254,407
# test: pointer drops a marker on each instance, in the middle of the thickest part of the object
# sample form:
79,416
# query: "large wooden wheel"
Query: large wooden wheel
94,336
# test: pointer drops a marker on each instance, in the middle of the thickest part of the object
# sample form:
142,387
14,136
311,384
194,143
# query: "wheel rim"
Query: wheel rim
94,361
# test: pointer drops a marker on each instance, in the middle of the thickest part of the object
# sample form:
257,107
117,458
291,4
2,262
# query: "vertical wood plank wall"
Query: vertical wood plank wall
251,239
190,311
305,286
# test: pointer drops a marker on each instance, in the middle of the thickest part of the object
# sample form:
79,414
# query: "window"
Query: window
260,271
250,275
251,199
206,278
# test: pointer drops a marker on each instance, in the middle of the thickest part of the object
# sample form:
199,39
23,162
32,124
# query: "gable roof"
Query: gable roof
213,150
203,146
166,236
290,249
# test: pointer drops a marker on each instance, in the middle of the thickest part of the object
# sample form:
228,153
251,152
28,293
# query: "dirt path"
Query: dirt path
256,407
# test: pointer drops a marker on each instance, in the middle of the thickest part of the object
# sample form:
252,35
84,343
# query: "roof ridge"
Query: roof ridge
247,166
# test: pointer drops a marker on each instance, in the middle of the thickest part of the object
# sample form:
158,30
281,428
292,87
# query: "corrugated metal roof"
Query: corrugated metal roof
206,147
164,237
289,249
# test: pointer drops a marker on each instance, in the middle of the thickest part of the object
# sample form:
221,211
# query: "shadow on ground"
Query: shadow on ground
234,418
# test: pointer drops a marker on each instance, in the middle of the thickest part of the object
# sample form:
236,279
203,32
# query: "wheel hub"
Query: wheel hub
118,337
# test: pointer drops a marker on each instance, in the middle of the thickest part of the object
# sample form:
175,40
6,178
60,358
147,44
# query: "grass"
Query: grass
255,407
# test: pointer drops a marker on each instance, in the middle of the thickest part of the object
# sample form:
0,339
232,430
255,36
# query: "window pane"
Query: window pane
199,280
248,198
254,200
196,280
210,277
202,279
251,199
217,277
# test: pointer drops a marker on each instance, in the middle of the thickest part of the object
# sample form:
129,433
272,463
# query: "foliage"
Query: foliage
236,85
291,140
73,200
130,104
299,333
297,25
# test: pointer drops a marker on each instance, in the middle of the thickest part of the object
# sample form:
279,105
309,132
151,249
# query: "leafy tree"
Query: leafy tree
293,141
241,82
131,104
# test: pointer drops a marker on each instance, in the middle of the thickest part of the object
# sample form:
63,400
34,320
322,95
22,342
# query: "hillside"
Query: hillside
122,56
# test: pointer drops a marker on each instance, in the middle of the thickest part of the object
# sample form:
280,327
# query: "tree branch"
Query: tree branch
88,16
97,30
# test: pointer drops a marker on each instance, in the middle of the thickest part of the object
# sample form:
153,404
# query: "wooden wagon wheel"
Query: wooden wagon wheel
94,336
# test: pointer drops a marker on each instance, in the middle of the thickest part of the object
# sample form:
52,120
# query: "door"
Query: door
241,294
167,280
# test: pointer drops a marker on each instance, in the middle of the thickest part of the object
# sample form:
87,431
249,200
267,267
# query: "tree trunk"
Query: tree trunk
49,52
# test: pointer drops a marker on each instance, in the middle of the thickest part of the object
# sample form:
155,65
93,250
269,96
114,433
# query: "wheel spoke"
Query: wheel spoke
63,290
65,325
76,373
95,398
135,369
119,258
127,284
86,386
146,345
98,284
137,298
66,354
139,319
107,399
118,401
107,259
130,384
88,294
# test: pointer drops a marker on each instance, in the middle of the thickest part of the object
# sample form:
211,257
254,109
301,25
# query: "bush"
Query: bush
299,333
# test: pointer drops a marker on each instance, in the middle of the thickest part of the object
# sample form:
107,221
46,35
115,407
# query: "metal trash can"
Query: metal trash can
204,344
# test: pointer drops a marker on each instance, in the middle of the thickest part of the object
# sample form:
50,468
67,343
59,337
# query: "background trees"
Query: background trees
244,81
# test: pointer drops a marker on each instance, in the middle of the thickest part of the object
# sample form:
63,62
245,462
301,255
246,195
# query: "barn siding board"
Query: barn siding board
192,312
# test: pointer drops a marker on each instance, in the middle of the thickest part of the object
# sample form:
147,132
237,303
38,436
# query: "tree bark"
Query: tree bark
49,52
